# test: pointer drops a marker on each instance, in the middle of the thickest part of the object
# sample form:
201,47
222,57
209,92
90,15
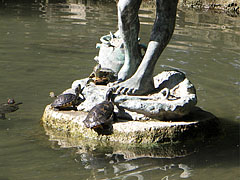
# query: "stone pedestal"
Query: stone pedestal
198,124
167,115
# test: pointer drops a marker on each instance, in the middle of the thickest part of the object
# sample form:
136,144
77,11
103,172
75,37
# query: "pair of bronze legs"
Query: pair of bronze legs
136,75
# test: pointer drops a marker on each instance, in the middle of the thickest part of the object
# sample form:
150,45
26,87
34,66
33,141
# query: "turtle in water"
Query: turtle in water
102,76
8,107
68,100
101,116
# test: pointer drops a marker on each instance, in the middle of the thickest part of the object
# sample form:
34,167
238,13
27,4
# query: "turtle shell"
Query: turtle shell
64,100
99,115
107,73
11,106
7,108
101,81
102,76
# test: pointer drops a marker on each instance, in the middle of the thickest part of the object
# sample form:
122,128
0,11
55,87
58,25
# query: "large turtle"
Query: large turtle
8,107
68,100
101,116
102,76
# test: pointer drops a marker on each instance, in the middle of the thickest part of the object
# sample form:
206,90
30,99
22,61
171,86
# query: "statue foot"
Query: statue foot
134,86
129,68
126,72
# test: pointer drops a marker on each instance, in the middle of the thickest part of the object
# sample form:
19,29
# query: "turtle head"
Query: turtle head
11,101
52,94
78,89
109,94
96,69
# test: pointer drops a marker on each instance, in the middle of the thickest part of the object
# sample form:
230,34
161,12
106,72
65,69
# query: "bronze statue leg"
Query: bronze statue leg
142,80
128,24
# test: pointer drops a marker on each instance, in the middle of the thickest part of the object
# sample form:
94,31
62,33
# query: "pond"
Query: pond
46,45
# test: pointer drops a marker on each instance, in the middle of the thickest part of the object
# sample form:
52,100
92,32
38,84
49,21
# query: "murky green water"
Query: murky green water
45,47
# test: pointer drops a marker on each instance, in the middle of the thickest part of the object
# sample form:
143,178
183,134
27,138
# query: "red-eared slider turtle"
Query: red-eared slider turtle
68,100
101,116
8,107
102,76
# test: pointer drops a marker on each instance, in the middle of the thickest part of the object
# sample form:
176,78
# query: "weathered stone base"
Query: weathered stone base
198,124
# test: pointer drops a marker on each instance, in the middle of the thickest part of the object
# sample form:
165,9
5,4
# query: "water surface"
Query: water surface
46,46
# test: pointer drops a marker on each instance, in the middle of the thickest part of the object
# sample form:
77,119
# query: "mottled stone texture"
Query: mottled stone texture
197,125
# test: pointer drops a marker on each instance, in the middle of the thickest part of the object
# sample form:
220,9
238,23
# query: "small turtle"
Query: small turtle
8,107
68,100
101,116
102,76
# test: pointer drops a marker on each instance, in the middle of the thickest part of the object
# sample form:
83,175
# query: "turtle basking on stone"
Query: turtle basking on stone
101,116
102,76
8,107
68,100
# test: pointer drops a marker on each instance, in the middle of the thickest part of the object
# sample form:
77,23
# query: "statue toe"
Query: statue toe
124,91
130,91
119,89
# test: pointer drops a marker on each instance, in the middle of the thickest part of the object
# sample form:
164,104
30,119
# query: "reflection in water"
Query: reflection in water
44,46
119,161
78,11
115,167
185,174
186,171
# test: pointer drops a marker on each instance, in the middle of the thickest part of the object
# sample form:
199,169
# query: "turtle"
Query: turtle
67,101
8,107
102,76
102,115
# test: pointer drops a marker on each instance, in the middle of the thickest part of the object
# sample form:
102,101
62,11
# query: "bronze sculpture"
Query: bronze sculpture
136,75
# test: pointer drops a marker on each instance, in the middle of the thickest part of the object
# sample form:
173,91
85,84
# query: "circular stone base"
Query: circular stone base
198,124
